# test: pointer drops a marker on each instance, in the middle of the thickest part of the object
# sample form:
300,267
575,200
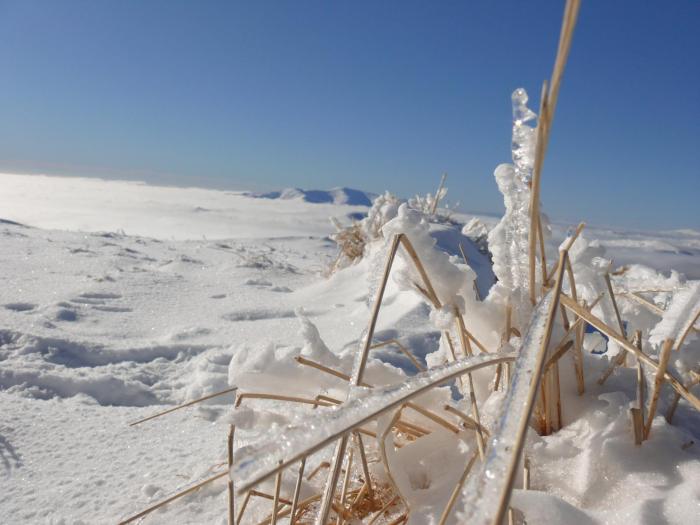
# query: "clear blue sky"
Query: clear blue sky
372,95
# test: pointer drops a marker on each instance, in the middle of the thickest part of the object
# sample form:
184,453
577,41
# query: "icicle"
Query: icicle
508,241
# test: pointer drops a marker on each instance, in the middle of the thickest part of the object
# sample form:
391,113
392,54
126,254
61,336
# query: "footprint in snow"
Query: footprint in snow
101,295
66,314
259,315
98,301
116,309
8,455
74,251
20,307
95,298
257,282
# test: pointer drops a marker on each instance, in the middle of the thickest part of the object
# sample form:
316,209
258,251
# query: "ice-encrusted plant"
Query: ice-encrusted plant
508,240
434,206
357,440
352,240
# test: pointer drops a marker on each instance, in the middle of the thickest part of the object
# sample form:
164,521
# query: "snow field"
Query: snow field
99,328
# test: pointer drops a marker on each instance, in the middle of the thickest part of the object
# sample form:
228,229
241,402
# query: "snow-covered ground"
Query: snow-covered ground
118,299
661,250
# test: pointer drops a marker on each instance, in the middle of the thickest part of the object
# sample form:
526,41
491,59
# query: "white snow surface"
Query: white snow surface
662,250
136,208
119,299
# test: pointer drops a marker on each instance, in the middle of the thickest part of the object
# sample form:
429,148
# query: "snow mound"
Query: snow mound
346,196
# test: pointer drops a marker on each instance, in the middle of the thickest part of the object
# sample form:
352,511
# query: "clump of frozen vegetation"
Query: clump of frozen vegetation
422,452
434,206
427,203
452,283
353,239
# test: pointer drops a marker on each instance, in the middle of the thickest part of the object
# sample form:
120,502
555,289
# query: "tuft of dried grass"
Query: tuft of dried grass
351,241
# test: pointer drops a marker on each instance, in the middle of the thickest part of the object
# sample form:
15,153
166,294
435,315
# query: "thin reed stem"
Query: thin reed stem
229,450
433,208
620,340
405,351
173,498
184,405
658,382
457,490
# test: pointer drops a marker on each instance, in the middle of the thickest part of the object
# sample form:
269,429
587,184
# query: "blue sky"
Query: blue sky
372,95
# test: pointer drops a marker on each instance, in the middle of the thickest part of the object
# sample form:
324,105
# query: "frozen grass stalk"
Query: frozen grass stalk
527,312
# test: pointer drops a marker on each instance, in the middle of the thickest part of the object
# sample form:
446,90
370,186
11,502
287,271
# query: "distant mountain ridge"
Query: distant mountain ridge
347,196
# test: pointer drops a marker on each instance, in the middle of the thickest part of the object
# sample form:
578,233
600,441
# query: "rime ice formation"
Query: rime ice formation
508,240
679,315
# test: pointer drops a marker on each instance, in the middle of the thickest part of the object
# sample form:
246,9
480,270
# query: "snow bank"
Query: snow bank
333,196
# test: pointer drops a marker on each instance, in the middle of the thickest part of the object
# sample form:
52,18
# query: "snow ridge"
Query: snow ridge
339,195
